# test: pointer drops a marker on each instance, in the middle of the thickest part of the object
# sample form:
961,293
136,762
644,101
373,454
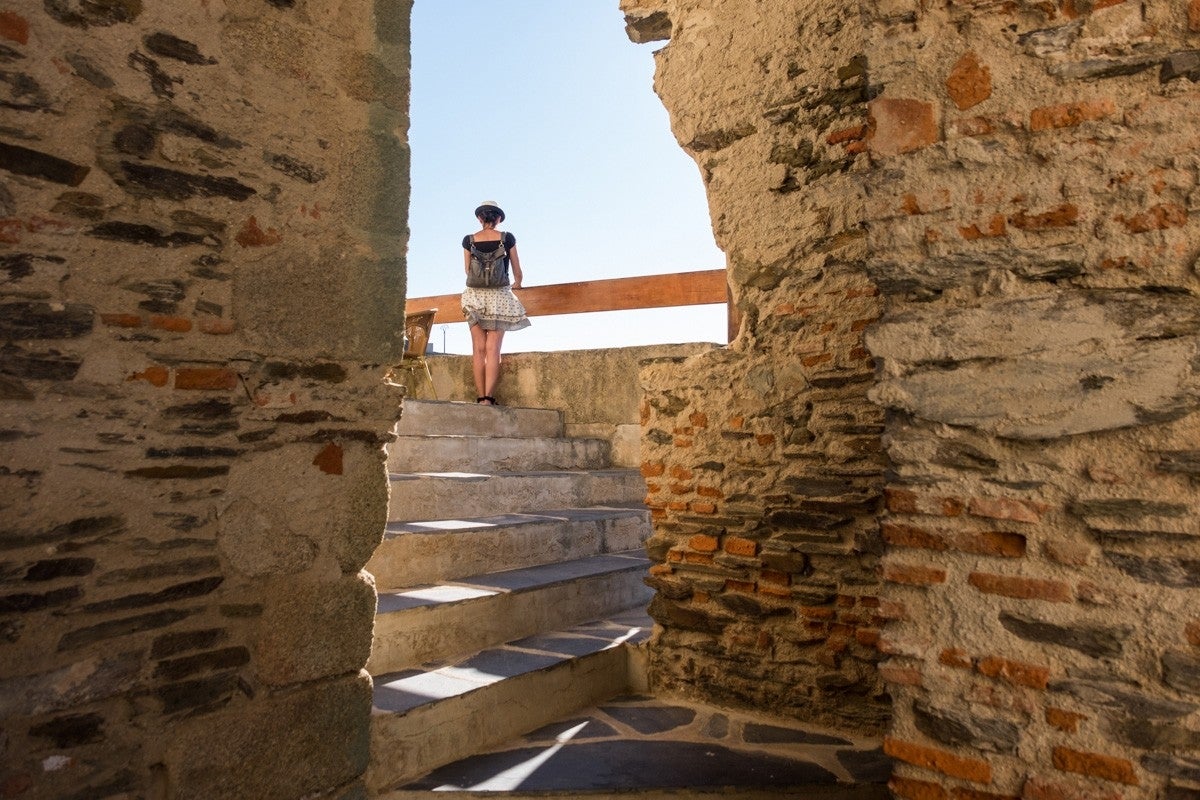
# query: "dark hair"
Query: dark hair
490,216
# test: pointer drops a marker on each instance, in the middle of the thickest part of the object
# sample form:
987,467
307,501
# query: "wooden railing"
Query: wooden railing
615,294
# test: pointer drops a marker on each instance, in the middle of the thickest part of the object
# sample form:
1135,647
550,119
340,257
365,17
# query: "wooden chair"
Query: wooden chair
416,338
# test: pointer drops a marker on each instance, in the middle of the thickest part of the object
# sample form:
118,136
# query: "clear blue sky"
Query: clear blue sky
549,109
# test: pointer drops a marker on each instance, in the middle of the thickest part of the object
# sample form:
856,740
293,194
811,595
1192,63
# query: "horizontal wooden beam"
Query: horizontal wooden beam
613,294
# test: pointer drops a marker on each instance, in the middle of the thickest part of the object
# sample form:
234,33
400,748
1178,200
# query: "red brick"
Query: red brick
1191,632
329,460
913,575
904,501
1021,588
1063,216
1158,218
860,354
732,585
1065,721
680,473
847,134
774,591
899,535
173,324
155,376
681,488
1095,765
697,558
972,126
996,227
121,320
900,675
863,324
205,378
710,491
901,125
14,27
953,657
703,543
969,82
1194,16
682,442
736,423
867,637
675,555
776,577
740,547
913,789
817,612
253,236
1014,672
662,569
698,507
215,326
652,488
699,419
812,361
943,761
653,469
1068,115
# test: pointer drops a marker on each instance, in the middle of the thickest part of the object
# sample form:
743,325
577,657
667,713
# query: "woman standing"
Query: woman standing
488,302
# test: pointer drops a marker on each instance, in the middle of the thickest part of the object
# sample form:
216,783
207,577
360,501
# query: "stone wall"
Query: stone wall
597,391
1019,182
202,211
1034,227
763,460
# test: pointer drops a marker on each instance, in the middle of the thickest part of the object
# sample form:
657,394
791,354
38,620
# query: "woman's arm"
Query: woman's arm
466,261
515,261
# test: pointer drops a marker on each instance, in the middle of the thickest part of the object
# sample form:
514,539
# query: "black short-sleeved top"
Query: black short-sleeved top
510,242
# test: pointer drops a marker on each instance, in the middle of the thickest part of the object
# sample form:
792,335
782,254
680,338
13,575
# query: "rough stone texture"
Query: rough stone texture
1004,197
192,419
1038,359
763,460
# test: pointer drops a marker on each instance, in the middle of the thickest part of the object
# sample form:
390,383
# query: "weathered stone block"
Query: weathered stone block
327,643
334,751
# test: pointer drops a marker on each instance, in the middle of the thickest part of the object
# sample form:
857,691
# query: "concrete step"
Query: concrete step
644,747
444,418
450,620
425,718
414,553
417,497
495,454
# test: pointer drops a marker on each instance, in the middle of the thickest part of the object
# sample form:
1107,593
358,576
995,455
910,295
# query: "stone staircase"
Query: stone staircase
510,584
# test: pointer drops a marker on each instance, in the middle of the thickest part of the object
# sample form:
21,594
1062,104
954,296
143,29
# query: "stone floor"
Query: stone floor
641,746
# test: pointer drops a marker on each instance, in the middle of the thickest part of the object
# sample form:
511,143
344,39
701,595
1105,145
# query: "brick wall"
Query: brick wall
1034,229
763,461
198,240
1004,197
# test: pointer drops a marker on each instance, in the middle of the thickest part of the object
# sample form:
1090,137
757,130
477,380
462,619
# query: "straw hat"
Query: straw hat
492,205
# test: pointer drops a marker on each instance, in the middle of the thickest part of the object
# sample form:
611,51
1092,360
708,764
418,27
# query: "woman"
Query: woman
493,309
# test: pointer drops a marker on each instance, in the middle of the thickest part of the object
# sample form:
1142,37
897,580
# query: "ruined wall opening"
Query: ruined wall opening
559,124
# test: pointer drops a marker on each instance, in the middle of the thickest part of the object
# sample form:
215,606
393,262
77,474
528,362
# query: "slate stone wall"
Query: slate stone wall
763,460
202,222
1002,199
1034,222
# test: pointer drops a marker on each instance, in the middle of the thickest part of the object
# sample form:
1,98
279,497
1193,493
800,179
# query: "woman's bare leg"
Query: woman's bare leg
492,368
479,359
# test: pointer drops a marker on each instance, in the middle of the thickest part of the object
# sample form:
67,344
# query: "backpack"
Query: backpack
488,270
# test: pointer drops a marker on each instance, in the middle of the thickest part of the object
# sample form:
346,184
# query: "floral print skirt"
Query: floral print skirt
495,309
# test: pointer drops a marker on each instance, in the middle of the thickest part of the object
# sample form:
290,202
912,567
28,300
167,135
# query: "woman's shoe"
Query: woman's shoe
491,401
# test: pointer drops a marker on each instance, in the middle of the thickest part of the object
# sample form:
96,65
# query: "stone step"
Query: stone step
643,747
417,497
495,454
425,718
450,620
414,553
446,418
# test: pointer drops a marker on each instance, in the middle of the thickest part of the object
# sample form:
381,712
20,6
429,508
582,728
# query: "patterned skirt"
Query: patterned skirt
496,309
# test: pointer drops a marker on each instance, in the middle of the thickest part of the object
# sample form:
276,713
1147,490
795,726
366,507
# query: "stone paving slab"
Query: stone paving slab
639,744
